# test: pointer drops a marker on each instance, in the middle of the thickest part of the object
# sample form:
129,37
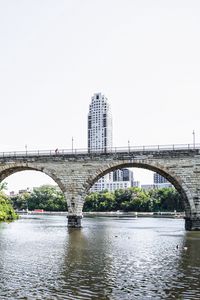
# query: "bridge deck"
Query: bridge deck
138,150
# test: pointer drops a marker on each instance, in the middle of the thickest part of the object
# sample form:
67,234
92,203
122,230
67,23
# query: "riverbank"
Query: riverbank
111,214
136,214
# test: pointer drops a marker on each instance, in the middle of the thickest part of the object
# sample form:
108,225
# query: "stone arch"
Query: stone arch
14,168
171,176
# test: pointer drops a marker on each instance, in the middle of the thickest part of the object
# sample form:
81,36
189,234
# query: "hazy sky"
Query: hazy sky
144,55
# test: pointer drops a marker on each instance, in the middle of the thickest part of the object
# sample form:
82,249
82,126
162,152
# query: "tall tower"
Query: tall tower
99,124
100,139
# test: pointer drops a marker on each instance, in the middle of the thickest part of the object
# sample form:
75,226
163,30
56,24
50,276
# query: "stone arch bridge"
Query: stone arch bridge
76,171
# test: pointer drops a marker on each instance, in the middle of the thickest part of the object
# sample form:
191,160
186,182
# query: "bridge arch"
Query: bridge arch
170,175
12,169
76,172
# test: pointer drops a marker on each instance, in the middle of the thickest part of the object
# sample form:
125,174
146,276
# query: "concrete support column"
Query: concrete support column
192,223
192,218
74,221
75,201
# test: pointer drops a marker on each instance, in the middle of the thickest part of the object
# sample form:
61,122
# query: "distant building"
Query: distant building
99,124
122,175
119,179
160,181
148,186
136,183
157,178
12,193
23,191
20,192
100,140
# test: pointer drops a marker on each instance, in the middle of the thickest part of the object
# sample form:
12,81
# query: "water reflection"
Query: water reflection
132,261
32,254
186,284
109,258
87,266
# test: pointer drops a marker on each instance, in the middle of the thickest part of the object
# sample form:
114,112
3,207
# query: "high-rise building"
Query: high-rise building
99,124
111,183
157,178
100,139
160,181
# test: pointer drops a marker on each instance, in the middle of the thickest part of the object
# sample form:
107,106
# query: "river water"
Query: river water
109,258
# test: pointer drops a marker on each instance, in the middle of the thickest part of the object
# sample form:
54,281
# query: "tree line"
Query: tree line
135,199
46,197
7,212
49,198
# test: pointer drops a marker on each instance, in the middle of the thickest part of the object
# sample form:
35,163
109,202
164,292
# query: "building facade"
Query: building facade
100,140
160,181
99,124
119,179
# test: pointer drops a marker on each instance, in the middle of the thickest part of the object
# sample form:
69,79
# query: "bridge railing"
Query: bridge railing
59,152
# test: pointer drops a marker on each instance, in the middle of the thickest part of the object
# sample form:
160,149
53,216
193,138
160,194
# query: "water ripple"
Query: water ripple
108,259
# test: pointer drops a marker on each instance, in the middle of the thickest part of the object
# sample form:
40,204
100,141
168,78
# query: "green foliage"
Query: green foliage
20,202
103,201
48,198
45,197
135,199
7,213
166,199
3,186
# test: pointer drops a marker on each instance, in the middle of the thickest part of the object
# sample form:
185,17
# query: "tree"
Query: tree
47,197
3,186
135,199
166,199
7,212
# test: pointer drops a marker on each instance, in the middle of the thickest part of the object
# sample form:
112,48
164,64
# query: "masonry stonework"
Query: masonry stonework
76,173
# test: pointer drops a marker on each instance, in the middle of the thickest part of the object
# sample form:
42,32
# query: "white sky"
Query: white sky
144,55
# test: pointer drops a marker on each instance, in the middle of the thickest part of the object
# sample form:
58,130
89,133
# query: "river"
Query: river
109,258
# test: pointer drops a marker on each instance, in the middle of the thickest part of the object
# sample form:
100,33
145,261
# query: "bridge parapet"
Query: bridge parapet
186,148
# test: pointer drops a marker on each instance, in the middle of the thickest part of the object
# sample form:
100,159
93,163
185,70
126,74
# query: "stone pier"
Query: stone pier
192,223
74,221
